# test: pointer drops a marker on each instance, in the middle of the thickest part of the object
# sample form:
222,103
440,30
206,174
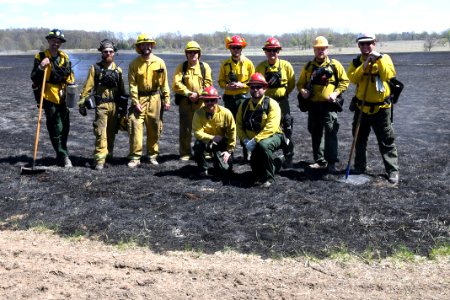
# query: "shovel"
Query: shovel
33,170
357,179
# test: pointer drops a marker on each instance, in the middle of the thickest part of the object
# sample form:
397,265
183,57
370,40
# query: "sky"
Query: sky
270,17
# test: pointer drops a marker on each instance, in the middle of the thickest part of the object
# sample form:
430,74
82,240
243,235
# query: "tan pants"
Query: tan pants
187,110
105,129
150,116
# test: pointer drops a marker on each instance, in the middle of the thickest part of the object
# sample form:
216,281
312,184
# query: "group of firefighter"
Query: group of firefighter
255,113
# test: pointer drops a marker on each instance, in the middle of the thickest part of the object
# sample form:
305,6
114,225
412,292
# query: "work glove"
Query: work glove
250,145
82,110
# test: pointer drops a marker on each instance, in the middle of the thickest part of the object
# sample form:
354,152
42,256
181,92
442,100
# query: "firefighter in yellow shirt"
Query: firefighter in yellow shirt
189,80
104,90
258,128
321,83
376,111
280,77
59,76
149,94
215,133
234,75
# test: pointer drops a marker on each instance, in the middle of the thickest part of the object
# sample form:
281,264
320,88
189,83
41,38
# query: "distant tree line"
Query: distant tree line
33,39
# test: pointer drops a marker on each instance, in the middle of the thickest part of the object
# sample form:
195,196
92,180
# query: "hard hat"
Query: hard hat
235,40
320,41
105,44
209,92
143,38
56,33
193,46
366,37
257,78
272,43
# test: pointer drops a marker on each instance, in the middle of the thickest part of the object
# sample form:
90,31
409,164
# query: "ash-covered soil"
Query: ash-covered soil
168,208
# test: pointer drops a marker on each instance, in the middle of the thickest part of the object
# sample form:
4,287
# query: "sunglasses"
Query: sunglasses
209,100
235,48
365,43
107,52
191,52
272,50
256,87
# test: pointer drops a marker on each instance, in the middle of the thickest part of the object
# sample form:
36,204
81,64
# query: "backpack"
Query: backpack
395,85
252,119
185,67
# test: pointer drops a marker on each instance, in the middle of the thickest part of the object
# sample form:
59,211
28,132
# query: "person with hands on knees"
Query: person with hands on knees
258,128
370,72
215,132
149,95
104,91
59,76
189,79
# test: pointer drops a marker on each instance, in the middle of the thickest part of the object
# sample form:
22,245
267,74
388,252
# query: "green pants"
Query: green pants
216,150
263,164
105,129
58,126
323,126
380,122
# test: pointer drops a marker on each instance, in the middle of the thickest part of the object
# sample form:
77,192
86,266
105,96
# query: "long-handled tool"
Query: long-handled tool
33,170
358,123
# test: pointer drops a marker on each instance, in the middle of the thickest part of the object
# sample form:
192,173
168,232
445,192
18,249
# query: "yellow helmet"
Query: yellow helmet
143,38
193,46
320,41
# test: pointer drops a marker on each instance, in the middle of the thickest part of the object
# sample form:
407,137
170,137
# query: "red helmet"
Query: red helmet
235,40
257,78
209,92
272,43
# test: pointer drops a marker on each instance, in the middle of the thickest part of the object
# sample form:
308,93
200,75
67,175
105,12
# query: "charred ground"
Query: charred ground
167,207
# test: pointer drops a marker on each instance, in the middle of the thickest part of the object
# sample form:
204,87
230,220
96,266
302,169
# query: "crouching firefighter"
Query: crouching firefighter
215,132
258,128
280,77
104,91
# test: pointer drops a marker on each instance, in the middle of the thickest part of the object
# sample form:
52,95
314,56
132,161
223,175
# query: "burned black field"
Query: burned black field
167,207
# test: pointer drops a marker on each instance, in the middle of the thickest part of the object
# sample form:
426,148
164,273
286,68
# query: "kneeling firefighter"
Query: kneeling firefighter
104,91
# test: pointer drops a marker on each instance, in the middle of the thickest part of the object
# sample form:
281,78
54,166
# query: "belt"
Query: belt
147,93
